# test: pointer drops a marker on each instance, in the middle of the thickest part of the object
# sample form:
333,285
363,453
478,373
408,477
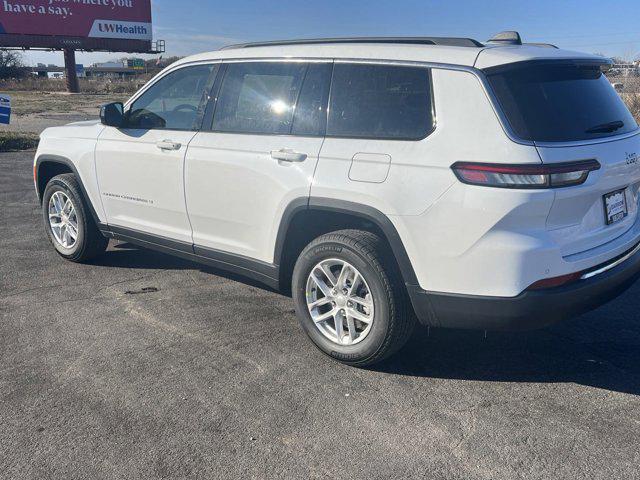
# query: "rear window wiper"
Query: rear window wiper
606,127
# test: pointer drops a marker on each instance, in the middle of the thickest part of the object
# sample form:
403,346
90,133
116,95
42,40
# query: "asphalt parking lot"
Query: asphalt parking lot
209,377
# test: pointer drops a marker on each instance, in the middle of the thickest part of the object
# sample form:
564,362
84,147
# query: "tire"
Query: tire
392,318
89,242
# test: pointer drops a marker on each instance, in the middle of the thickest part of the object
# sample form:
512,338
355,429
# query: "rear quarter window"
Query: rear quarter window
560,102
380,102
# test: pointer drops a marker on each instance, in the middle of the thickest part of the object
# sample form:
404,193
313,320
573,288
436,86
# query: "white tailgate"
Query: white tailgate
577,221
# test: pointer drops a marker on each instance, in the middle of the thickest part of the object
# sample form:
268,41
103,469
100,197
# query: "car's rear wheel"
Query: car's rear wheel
350,299
69,225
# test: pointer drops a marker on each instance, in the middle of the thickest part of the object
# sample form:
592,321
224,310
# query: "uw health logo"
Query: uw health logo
119,28
125,30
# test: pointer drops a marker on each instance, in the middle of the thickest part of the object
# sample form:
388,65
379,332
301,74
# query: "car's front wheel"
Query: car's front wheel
67,220
350,299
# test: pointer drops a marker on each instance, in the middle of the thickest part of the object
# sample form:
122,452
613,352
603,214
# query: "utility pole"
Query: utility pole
71,75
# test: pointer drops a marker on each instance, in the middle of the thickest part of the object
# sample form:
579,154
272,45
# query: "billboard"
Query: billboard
122,25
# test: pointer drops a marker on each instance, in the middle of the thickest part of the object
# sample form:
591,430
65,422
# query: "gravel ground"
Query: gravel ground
209,377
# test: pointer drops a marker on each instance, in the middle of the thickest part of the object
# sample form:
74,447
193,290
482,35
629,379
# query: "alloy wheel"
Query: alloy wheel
63,220
340,301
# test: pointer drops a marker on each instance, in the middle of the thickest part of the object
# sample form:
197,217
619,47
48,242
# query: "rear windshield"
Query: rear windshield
560,102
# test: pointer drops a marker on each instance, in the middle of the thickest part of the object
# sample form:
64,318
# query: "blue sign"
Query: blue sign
5,109
80,69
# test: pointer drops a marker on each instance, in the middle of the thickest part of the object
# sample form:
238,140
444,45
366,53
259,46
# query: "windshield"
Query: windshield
548,102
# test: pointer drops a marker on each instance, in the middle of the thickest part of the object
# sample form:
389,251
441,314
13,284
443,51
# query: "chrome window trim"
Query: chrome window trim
479,74
432,65
333,61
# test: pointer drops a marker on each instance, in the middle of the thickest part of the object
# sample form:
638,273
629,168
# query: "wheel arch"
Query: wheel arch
307,218
49,166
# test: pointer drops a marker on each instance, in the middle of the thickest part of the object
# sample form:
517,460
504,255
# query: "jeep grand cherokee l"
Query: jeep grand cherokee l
380,181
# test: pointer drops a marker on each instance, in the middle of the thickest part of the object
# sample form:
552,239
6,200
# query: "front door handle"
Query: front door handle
287,155
168,145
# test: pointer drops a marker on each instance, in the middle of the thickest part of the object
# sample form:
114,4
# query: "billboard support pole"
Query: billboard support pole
70,70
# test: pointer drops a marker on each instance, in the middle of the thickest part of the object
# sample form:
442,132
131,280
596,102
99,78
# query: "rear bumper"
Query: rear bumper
529,310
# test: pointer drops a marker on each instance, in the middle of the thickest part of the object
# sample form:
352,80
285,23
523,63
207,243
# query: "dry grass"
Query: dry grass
10,141
633,102
630,93
30,103
88,86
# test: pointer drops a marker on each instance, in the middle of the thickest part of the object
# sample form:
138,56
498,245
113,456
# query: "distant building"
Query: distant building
113,70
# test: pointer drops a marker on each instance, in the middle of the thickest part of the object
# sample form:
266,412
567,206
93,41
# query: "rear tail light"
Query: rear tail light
525,176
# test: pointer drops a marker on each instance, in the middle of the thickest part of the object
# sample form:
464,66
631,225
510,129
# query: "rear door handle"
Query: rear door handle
287,155
168,145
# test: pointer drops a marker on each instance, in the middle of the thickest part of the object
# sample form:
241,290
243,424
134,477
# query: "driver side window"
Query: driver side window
175,102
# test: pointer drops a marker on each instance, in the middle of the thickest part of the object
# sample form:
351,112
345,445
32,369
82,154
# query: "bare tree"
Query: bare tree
11,64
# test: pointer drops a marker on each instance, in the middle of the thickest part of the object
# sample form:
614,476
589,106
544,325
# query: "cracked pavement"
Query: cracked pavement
210,377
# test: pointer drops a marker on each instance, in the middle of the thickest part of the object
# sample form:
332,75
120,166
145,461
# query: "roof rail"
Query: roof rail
448,41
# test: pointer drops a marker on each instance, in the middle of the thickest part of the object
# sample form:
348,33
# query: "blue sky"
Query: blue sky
190,26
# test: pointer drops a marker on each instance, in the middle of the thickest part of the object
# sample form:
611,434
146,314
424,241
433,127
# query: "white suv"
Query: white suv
379,181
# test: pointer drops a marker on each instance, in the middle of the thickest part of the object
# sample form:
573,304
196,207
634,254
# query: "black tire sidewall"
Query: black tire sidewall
375,340
58,184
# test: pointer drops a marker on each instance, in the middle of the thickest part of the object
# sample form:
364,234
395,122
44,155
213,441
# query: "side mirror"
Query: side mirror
112,114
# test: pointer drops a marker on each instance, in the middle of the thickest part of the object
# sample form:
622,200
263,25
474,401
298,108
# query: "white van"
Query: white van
378,180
